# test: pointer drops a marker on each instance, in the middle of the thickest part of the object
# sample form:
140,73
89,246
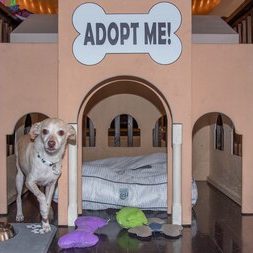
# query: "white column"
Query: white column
177,167
72,207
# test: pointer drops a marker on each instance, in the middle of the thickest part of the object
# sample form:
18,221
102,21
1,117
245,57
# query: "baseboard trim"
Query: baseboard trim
226,191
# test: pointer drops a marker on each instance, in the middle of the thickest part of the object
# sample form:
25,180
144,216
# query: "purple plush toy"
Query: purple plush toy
83,236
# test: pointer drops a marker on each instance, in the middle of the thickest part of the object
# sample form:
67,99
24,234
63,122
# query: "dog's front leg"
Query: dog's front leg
49,195
19,186
31,185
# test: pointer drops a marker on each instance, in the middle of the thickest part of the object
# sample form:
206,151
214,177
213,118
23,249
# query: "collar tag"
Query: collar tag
50,164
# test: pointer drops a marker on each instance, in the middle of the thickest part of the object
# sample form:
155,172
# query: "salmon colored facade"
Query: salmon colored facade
47,78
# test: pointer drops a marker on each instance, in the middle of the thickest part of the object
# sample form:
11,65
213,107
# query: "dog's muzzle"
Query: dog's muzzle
51,144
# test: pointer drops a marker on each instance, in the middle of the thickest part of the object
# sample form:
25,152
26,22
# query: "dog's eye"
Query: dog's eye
45,131
61,132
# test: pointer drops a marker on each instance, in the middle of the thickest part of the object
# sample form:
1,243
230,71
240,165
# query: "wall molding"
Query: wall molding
232,195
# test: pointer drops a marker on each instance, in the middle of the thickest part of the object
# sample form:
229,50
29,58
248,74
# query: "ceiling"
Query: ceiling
204,7
39,6
226,7
222,8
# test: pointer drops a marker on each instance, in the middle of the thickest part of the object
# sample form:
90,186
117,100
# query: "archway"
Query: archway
21,127
217,153
216,161
127,93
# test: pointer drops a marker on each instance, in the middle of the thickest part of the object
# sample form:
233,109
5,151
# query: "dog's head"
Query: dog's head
53,133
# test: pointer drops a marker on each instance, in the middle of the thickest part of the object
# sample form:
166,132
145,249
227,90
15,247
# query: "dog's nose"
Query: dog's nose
51,143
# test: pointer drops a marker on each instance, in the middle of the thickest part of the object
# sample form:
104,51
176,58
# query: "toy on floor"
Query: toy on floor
130,217
83,236
156,225
135,221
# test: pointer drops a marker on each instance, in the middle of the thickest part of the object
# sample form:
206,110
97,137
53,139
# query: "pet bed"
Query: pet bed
138,181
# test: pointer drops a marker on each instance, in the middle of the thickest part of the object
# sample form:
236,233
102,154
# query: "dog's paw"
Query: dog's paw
45,228
19,217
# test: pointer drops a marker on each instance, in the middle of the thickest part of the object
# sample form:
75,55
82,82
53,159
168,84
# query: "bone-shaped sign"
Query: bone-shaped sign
153,33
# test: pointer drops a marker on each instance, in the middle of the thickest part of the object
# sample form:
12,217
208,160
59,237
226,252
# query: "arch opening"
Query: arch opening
21,128
124,132
216,155
140,105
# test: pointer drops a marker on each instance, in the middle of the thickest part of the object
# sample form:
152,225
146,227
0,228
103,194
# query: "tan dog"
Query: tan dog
39,158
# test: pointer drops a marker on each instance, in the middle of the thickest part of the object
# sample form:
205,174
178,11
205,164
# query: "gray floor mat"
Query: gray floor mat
27,239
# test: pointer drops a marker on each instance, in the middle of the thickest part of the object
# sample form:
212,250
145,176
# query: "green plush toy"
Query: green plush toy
130,217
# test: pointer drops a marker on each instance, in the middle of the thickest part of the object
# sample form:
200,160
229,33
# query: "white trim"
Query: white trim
177,171
72,207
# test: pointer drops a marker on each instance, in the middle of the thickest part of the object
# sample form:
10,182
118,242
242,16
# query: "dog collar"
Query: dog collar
50,164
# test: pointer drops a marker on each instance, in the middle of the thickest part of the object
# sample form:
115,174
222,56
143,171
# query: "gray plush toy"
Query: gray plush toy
156,225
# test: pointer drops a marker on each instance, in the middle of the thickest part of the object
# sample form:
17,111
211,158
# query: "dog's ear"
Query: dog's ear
35,130
71,133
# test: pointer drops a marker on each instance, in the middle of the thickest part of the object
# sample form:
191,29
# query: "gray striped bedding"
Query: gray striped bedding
137,181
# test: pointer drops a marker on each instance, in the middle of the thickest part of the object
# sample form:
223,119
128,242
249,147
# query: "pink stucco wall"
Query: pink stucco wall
28,83
46,78
173,81
222,82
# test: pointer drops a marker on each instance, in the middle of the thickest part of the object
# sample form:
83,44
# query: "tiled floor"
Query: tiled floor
217,226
